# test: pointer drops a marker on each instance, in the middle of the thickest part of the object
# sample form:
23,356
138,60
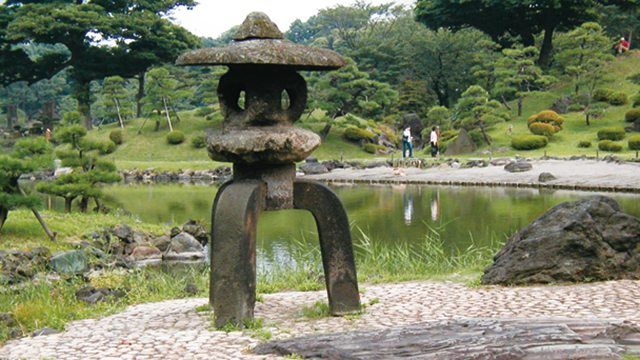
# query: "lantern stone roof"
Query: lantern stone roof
259,42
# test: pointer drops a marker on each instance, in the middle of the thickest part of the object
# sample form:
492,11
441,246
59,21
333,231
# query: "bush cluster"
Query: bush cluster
611,133
608,145
373,148
529,142
632,115
198,141
602,95
175,137
116,136
618,98
107,147
356,134
584,144
542,129
634,142
546,117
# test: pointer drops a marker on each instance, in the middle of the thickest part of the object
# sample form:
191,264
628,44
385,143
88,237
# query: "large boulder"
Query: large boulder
589,239
464,144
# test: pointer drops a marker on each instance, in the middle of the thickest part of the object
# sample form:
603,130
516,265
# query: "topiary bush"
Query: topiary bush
632,115
198,141
116,136
529,142
542,129
584,144
549,117
611,133
618,98
602,94
356,134
373,148
175,137
608,145
634,142
107,147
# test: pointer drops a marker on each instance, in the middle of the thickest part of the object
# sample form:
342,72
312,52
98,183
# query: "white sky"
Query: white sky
210,18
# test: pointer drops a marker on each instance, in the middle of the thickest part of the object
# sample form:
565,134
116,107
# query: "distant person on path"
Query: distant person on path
407,146
433,140
623,46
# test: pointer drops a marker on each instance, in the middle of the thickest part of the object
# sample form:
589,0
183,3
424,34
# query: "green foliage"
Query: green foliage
529,142
71,135
116,100
72,118
116,136
477,111
618,98
357,134
204,111
175,137
198,141
543,129
318,310
632,115
373,148
611,133
584,144
608,145
602,95
549,117
477,137
634,142
107,147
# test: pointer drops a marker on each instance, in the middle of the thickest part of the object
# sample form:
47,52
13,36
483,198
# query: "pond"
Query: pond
390,214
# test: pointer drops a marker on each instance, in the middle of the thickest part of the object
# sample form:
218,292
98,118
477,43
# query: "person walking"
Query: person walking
407,146
433,140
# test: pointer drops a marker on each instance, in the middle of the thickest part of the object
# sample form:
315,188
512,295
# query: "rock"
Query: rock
94,298
589,239
193,228
375,164
184,243
333,164
7,319
545,176
146,253
500,161
45,331
488,339
191,289
313,167
162,243
185,256
518,166
69,262
139,237
464,144
62,171
124,233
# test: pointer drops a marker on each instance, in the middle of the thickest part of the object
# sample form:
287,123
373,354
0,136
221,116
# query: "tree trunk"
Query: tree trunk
82,93
164,102
586,116
12,116
547,46
506,104
140,94
120,122
4,212
84,205
486,136
67,204
520,105
325,131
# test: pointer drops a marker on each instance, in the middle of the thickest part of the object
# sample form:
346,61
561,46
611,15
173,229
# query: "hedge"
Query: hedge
538,128
634,142
602,94
611,133
632,115
529,142
116,136
584,144
198,140
373,148
357,134
618,98
175,137
608,145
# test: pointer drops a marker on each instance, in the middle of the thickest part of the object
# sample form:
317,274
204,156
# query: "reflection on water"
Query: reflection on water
384,213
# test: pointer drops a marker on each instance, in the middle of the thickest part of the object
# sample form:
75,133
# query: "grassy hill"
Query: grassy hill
143,147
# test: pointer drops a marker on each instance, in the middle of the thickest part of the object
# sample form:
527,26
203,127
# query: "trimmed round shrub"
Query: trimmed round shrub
584,144
602,94
529,142
116,136
632,115
615,147
373,148
543,129
175,137
198,140
618,98
356,134
546,117
611,133
634,142
608,145
107,147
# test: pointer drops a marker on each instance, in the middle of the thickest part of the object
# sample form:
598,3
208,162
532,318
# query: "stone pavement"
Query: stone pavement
175,330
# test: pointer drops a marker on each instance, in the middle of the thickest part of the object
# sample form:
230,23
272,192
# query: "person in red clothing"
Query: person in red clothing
623,46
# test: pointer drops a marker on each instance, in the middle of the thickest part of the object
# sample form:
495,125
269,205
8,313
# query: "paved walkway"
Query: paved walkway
174,330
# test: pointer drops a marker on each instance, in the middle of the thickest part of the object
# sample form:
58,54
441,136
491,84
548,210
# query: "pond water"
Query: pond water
391,214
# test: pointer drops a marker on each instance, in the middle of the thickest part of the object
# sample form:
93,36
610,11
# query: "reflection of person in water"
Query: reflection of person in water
435,205
408,208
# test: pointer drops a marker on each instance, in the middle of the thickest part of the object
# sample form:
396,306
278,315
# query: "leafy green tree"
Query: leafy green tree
580,48
101,39
116,99
414,97
518,75
164,90
594,75
29,155
89,170
509,19
349,90
437,116
477,111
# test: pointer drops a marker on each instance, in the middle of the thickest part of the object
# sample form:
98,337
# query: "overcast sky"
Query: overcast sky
210,18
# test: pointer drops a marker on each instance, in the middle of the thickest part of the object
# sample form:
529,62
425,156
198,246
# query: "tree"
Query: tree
517,75
580,48
101,38
349,90
163,90
503,20
115,99
89,171
477,111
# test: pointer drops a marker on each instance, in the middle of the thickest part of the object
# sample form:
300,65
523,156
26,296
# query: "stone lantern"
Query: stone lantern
259,138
